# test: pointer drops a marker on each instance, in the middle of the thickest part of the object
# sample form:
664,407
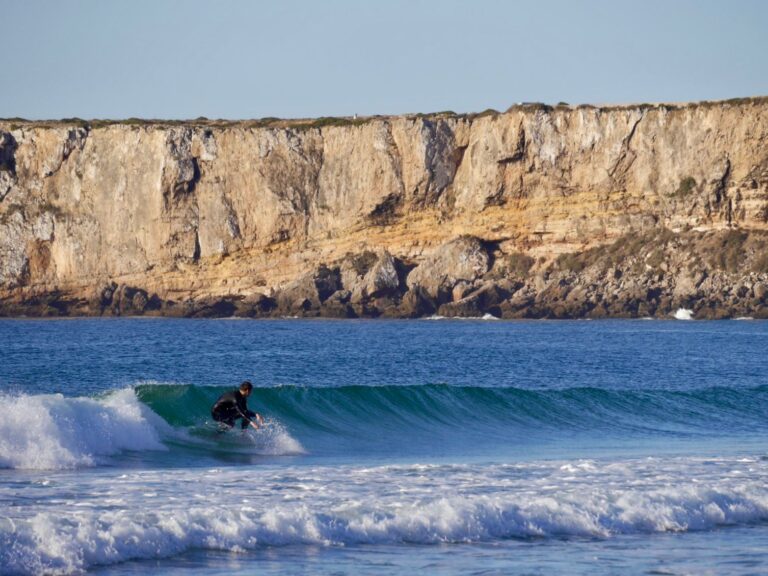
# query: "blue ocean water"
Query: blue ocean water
447,446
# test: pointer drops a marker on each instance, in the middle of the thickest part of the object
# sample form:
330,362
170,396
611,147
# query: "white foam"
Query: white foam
154,514
683,314
487,316
273,439
48,432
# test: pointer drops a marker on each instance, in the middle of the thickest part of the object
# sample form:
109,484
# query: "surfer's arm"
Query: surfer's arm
248,419
259,418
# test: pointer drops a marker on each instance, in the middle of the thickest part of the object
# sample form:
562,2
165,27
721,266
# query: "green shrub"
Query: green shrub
728,254
486,112
363,262
656,258
52,209
76,121
530,107
760,264
518,264
687,185
12,209
328,122
570,262
264,122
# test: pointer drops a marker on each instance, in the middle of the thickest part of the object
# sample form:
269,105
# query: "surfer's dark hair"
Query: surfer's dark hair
246,386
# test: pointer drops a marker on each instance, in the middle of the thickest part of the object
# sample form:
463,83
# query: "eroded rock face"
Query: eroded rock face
463,259
307,294
8,147
393,216
370,275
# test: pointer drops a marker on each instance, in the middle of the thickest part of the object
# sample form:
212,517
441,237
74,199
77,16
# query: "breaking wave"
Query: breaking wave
153,517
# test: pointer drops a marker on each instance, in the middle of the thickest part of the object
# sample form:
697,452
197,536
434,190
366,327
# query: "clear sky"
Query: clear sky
307,58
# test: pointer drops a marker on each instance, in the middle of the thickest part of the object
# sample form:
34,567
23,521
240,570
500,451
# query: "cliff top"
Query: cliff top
328,121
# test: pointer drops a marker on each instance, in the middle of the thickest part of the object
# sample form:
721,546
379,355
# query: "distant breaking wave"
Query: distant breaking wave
683,314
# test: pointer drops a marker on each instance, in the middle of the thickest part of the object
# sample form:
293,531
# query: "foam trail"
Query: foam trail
53,432
271,439
146,515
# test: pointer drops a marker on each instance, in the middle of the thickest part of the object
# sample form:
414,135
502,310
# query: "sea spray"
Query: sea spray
683,314
273,439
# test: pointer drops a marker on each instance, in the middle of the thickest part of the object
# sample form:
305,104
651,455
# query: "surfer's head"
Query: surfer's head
245,388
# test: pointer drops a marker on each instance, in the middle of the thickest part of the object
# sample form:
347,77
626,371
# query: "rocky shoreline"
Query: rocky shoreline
715,275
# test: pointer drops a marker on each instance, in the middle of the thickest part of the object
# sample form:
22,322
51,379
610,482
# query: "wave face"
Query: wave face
55,432
373,411
140,515
329,408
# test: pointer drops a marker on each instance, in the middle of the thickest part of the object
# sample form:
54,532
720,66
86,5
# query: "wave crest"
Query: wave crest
53,432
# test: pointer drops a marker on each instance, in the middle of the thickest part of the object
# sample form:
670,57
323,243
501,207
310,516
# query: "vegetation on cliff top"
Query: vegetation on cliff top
342,121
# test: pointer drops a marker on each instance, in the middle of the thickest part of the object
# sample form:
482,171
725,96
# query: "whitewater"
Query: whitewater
458,447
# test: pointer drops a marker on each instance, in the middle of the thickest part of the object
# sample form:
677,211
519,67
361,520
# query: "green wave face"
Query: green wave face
401,411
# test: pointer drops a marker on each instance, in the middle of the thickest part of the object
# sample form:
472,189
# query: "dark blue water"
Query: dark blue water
88,356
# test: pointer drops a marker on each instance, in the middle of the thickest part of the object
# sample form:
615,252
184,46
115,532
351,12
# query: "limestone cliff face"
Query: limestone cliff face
417,212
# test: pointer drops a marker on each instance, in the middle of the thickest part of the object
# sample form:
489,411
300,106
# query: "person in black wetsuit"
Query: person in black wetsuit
232,405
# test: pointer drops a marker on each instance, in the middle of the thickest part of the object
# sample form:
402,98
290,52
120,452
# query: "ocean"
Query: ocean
441,446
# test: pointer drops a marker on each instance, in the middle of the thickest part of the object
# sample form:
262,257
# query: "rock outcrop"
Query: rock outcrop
562,212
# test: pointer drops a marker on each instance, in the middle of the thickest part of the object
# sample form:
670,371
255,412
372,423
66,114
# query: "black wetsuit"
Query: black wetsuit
229,407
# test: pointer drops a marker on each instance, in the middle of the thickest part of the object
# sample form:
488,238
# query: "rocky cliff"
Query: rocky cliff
535,212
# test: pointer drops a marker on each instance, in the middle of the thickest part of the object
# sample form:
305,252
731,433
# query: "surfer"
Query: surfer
232,405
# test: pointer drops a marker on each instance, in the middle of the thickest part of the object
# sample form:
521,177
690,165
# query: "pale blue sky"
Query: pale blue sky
302,58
